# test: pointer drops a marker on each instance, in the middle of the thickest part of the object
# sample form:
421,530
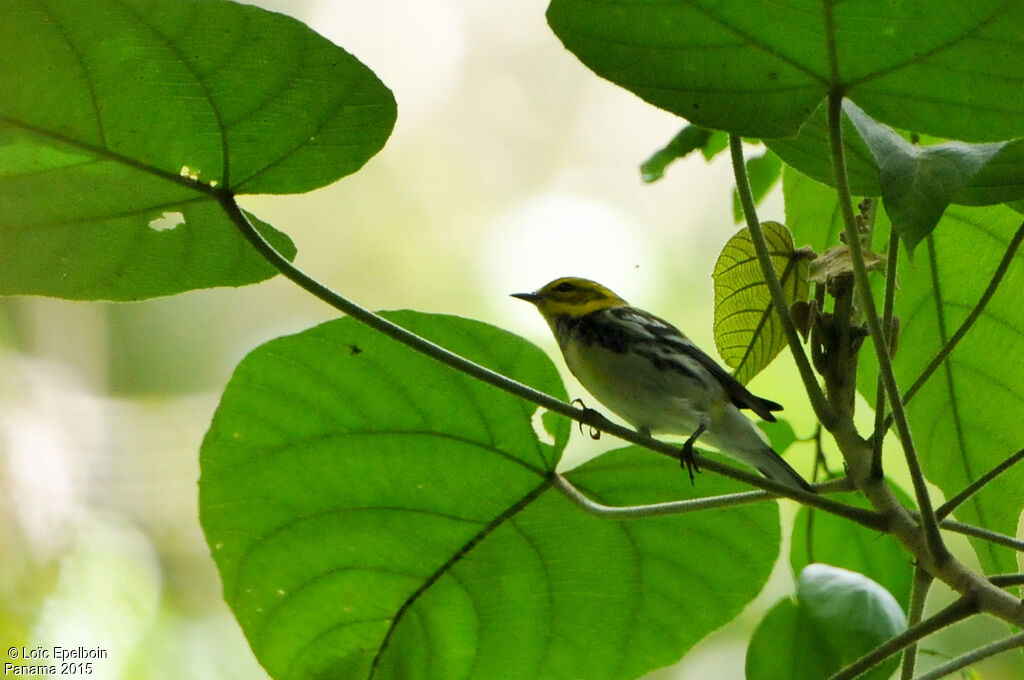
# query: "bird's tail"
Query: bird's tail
772,466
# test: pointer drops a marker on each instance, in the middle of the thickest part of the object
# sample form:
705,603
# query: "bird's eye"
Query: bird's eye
565,287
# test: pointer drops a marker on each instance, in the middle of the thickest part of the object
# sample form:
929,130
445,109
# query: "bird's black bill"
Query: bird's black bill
529,297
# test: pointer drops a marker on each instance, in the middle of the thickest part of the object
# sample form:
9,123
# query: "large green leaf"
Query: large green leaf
117,113
364,502
748,333
761,68
957,440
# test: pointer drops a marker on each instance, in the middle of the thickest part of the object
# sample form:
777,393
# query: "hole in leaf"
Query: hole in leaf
167,221
543,435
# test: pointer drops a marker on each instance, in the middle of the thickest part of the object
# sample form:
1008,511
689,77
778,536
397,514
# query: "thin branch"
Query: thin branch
979,307
974,656
674,507
957,611
933,538
1006,580
586,416
822,409
887,306
918,596
949,506
977,532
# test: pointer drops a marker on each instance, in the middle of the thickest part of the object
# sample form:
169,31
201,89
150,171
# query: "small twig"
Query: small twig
933,538
949,506
887,306
957,611
979,307
977,532
570,491
1006,580
974,656
918,596
822,409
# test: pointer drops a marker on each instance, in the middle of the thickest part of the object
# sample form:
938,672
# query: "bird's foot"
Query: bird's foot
688,461
595,433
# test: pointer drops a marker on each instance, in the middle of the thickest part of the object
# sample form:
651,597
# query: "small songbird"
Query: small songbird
645,370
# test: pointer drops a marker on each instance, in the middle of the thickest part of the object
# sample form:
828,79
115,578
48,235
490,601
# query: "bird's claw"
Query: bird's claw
595,433
688,461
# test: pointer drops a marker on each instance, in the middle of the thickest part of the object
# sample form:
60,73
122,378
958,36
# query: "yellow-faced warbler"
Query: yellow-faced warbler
645,370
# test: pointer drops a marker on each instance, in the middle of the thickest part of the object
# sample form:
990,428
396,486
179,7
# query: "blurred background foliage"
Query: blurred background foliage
510,164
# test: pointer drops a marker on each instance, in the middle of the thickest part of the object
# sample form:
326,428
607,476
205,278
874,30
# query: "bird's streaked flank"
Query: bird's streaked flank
645,370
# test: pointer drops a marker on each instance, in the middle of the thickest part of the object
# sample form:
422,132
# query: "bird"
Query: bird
649,373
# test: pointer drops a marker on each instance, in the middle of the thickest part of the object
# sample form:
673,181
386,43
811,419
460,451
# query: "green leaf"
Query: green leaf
120,119
689,139
957,439
999,180
363,501
854,613
918,182
780,434
788,643
828,539
762,171
747,330
760,69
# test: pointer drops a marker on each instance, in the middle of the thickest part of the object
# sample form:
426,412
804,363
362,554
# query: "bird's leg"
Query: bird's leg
595,433
687,460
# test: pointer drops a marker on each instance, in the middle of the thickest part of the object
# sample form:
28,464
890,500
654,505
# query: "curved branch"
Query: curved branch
974,656
949,506
957,611
570,491
993,285
586,416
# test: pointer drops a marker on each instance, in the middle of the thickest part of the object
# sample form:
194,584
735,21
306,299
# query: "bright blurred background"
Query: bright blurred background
510,164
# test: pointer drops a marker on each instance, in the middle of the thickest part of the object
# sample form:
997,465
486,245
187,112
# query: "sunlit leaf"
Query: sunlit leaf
369,507
118,118
747,330
760,69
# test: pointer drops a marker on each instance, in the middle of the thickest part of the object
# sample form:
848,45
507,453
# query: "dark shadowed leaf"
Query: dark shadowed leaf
760,69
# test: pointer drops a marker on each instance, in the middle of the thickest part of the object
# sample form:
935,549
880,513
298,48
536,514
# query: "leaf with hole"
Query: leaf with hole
372,511
748,333
120,121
